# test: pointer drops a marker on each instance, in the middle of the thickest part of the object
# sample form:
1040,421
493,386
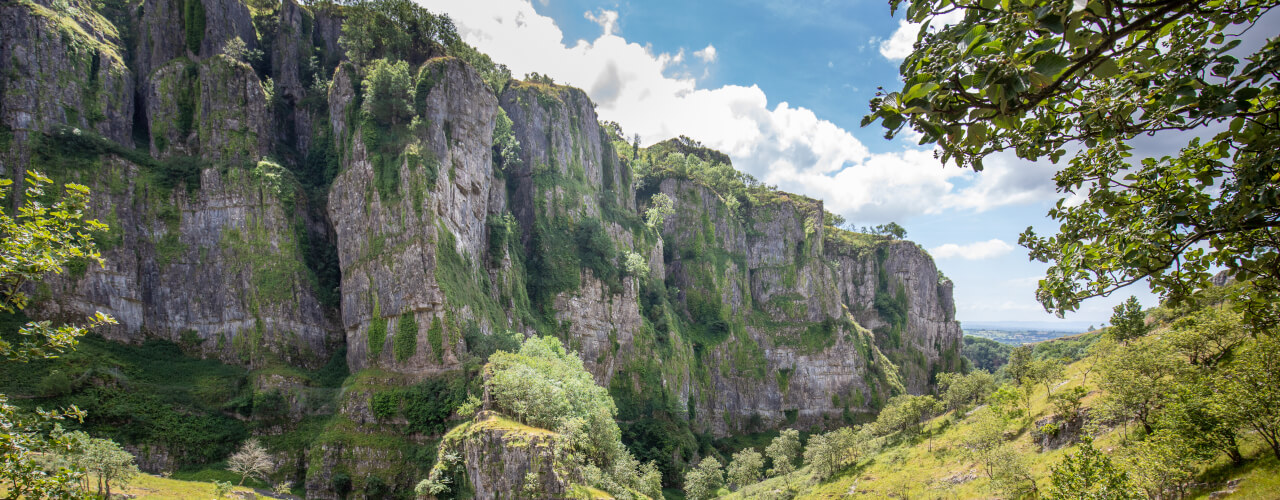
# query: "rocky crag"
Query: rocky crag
265,215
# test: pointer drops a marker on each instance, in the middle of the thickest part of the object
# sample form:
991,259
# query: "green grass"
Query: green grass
149,487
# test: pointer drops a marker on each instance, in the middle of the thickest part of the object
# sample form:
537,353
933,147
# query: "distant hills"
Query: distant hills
1023,332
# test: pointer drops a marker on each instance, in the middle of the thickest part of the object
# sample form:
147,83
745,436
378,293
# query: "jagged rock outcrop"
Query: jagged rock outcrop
568,172
502,456
217,266
782,349
171,29
441,182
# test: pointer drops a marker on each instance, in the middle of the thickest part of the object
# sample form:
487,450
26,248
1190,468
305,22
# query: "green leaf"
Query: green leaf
1051,65
1106,69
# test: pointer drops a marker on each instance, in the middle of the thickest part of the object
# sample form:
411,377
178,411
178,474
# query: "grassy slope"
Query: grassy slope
147,486
922,468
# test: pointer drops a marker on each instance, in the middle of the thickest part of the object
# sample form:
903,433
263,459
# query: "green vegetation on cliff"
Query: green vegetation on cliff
546,391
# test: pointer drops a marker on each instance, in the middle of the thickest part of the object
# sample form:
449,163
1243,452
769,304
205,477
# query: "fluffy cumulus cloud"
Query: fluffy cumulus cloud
652,94
973,251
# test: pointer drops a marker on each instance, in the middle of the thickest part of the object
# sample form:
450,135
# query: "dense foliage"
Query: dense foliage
545,386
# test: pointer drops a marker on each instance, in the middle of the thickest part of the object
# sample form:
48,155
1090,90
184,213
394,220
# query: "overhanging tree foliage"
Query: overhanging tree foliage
1040,78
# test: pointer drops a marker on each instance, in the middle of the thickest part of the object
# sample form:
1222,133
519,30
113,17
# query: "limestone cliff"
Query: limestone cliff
265,215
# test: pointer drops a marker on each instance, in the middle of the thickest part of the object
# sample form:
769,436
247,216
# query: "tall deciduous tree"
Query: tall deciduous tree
704,480
783,451
1089,473
747,467
1251,390
388,93
1040,78
104,460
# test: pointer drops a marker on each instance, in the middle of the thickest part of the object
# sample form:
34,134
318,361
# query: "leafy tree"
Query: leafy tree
823,456
1189,413
1011,474
747,467
782,452
1042,77
1089,474
1007,400
1163,462
1129,321
1068,403
40,238
1137,381
983,443
394,29
1019,366
704,480
506,149
103,458
1047,372
251,460
661,208
221,489
960,390
1208,336
904,413
635,265
388,93
891,230
543,385
1250,390
235,48
650,480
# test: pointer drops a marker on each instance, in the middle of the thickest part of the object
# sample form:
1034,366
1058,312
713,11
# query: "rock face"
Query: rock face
202,251
502,456
217,269
769,326
60,69
215,109
897,292
389,238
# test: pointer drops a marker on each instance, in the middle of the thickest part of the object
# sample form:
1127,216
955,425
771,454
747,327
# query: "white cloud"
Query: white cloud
973,251
607,19
654,94
707,55
899,45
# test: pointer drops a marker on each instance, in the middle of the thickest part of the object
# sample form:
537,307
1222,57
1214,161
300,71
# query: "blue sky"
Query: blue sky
781,86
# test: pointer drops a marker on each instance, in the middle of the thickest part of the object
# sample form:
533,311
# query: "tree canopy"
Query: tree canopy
1044,78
